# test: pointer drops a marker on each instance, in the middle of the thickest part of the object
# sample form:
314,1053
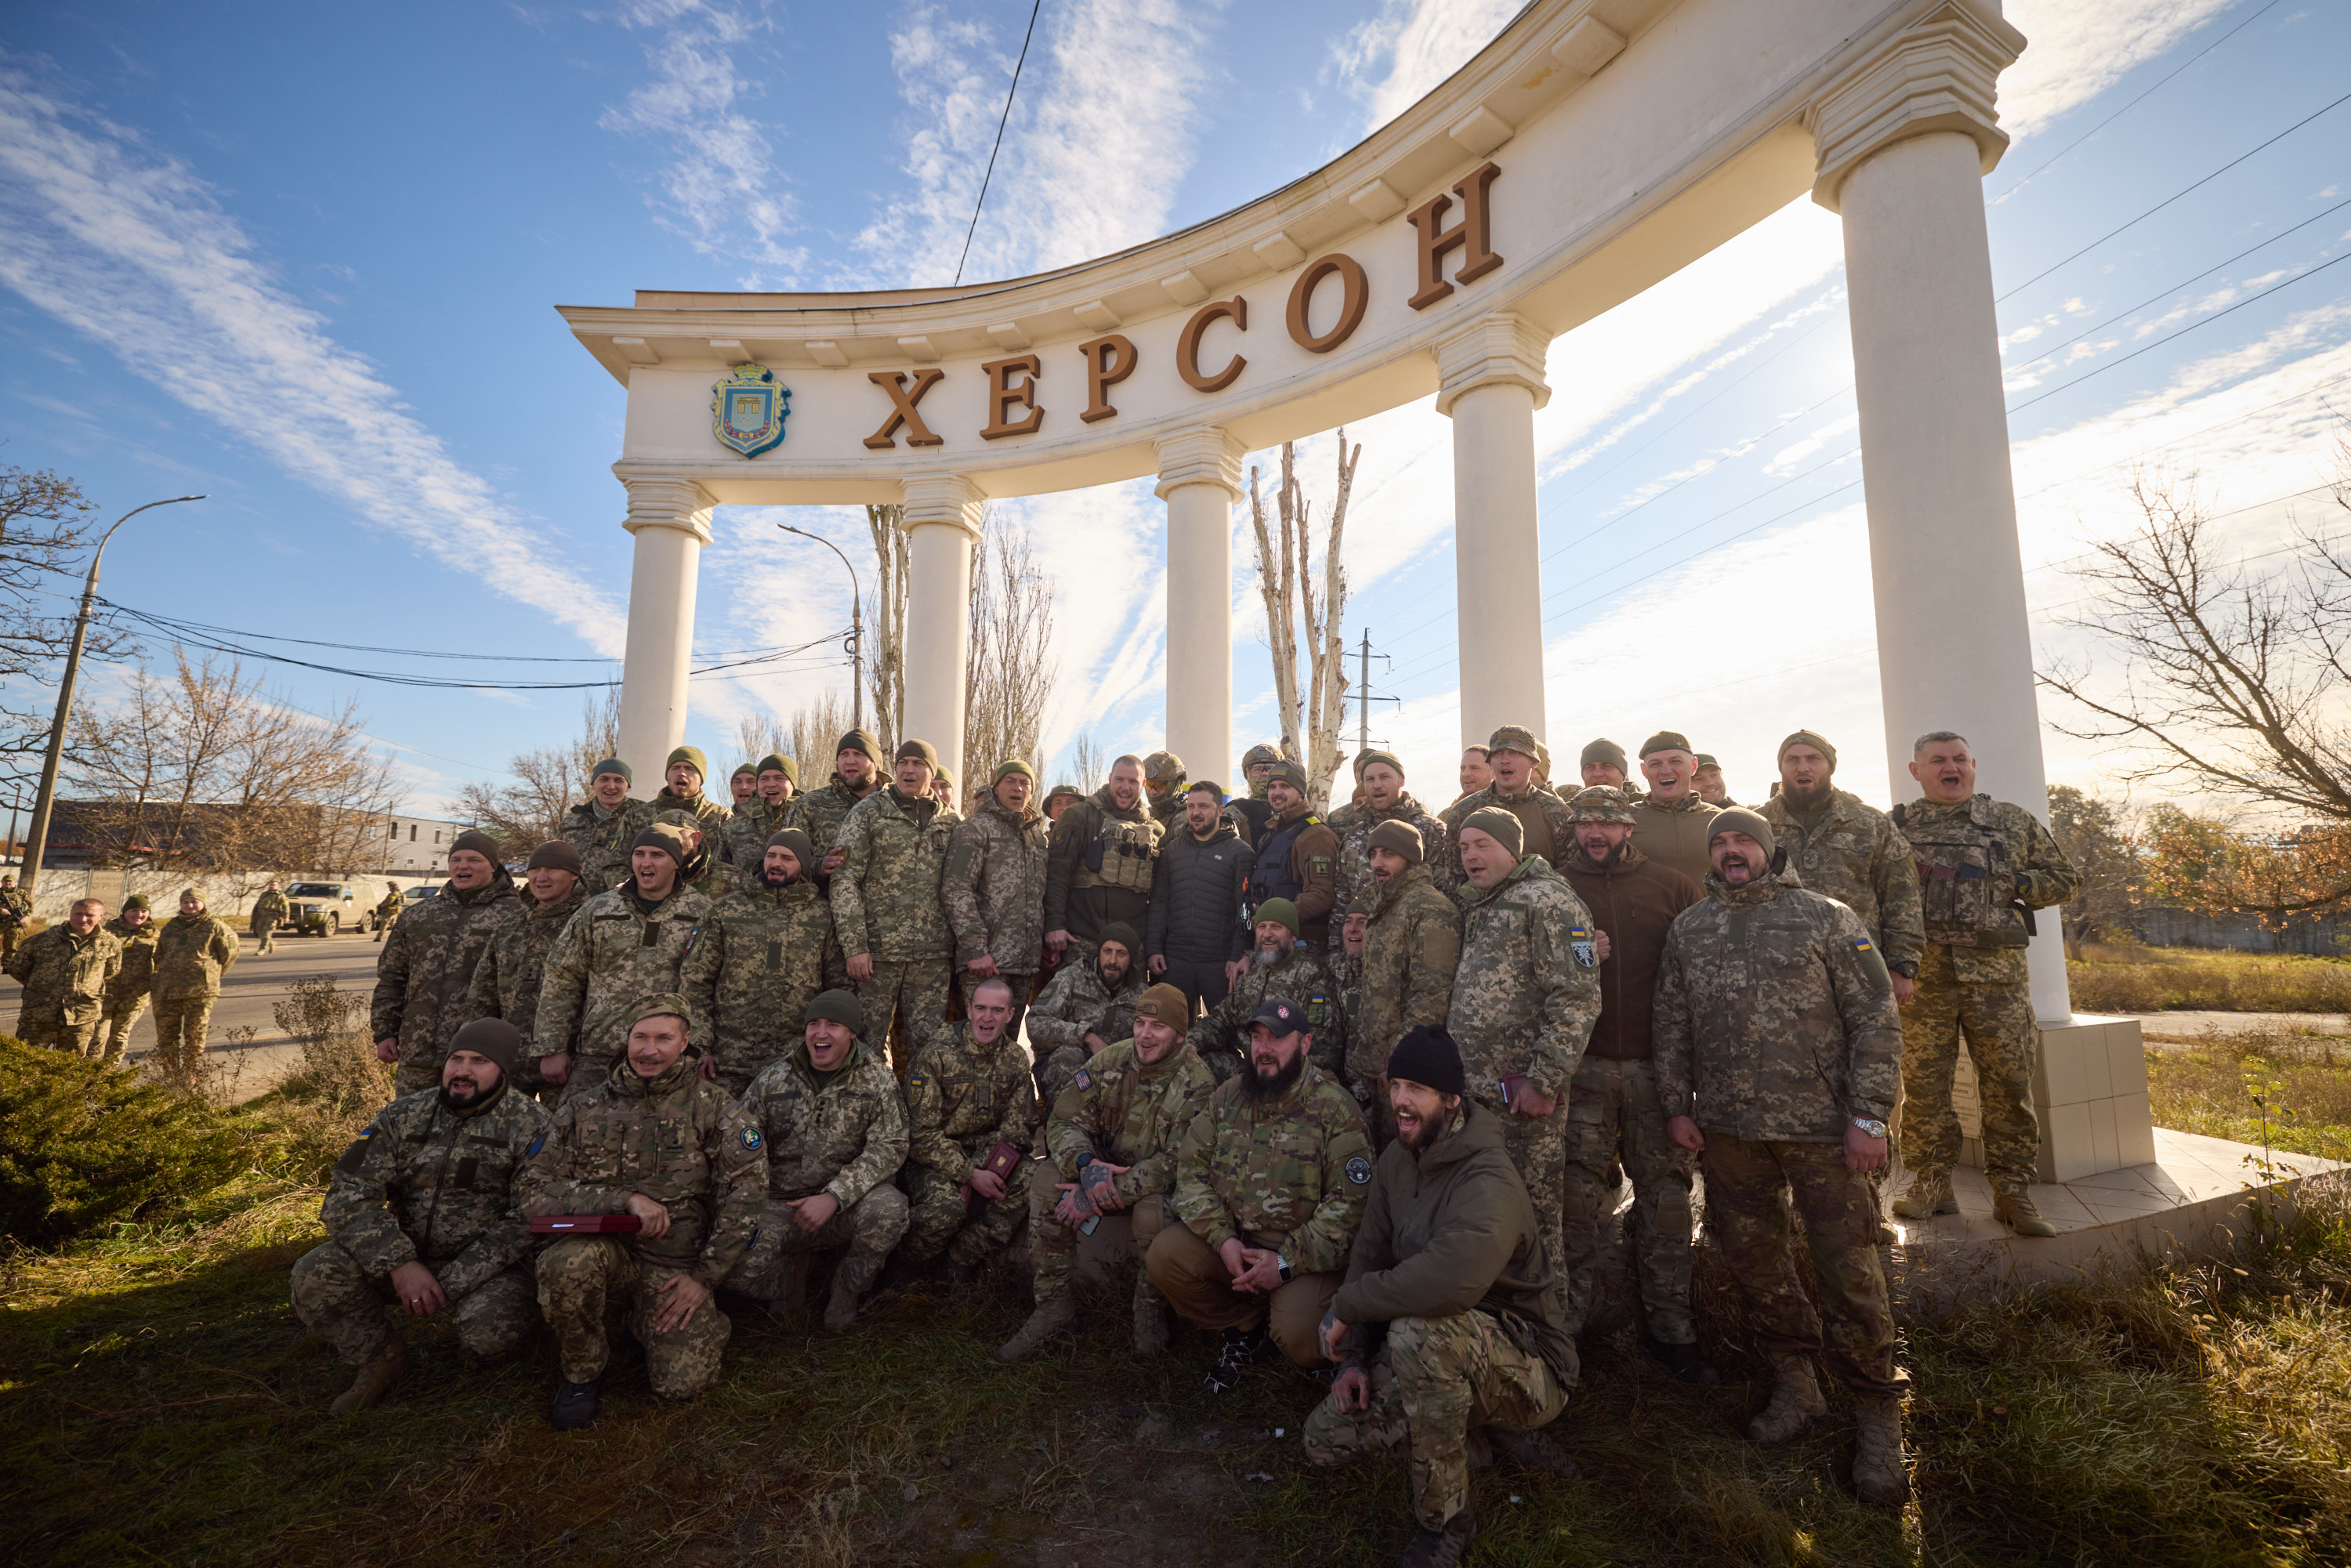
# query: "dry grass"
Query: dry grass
2130,978
2272,1088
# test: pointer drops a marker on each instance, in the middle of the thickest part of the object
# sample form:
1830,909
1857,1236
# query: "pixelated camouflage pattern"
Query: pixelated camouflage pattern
343,1303
508,982
1289,1174
704,871
1539,798
944,1217
135,979
1075,1003
751,827
423,1184
192,953
1615,1120
963,1096
819,814
1856,855
582,1278
1353,880
1994,1023
607,955
1412,948
603,841
845,1135
1130,1114
1221,1035
885,896
66,978
869,1230
2043,876
1775,1018
994,886
763,956
426,968
1528,990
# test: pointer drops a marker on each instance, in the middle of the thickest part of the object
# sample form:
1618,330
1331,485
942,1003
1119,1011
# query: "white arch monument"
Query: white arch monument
1593,149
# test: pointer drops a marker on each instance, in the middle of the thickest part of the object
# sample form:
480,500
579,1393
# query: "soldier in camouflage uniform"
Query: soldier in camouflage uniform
1280,966
1848,849
193,952
387,910
835,1126
1269,1181
1400,966
1669,822
1163,789
658,1140
1980,863
1706,778
704,871
423,972
16,911
1524,1001
994,887
1384,800
269,911
886,905
1086,1009
66,971
743,784
1777,1043
759,819
1544,830
619,945
970,1091
1603,765
423,1210
512,971
818,813
681,790
766,950
1059,799
127,996
602,827
1112,1140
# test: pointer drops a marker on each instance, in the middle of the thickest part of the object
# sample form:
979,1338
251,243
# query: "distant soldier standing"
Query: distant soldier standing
387,911
423,972
1777,1043
765,951
513,969
192,953
1982,864
1402,962
66,971
885,901
134,983
1101,861
269,911
602,827
16,911
994,888
969,1091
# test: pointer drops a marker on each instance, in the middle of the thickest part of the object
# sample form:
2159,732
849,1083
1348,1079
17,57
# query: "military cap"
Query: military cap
746,770
859,740
1289,773
921,751
137,901
494,1038
1262,752
1739,819
1365,758
692,757
1665,740
557,854
942,774
666,837
1165,1003
1811,738
1064,792
660,1004
1704,760
1600,804
1606,750
195,892
481,844
1008,767
1120,932
776,762
1499,825
803,849
1516,737
613,764
1163,767
839,1007
1281,1015
1402,838
1280,911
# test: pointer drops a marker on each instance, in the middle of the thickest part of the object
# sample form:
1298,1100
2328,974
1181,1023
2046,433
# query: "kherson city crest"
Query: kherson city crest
748,408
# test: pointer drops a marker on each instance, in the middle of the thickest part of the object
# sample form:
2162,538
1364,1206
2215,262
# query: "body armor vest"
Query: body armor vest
1272,877
1120,855
1966,880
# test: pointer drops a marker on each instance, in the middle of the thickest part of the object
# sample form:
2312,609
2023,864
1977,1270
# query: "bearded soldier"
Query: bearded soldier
969,1096
766,950
424,973
66,971
1379,776
1280,964
1084,1011
1401,961
602,827
994,888
513,971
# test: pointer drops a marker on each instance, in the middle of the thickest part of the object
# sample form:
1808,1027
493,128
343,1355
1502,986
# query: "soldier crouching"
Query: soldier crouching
969,1095
421,1211
657,1140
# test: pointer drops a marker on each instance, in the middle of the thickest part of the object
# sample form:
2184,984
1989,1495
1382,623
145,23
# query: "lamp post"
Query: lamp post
856,625
38,835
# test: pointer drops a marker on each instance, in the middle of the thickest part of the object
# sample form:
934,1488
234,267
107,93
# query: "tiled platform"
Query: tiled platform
2192,1198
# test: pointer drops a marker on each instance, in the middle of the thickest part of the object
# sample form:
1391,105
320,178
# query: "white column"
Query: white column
942,522
1200,478
1491,383
670,520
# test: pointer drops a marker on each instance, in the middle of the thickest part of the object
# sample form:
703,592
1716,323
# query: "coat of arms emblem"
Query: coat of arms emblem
747,410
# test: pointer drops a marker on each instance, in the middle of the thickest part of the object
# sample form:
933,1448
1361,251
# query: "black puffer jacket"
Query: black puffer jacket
1195,897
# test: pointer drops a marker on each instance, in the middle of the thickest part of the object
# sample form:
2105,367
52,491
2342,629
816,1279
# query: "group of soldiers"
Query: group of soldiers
1356,1091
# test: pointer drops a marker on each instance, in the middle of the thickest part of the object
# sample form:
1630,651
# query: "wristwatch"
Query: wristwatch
1876,1129
1281,1266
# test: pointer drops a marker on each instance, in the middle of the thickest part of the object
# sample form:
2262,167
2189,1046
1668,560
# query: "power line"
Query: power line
1006,119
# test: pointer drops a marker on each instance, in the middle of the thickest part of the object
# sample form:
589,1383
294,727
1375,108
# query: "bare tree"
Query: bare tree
1010,668
1086,764
547,781
817,729
886,659
757,735
1287,581
45,523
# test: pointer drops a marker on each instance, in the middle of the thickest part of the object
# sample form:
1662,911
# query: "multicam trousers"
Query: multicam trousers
182,1024
915,992
1748,1189
337,1299
970,1231
580,1274
114,1029
47,1026
869,1229
1613,1114
1996,1023
1432,1381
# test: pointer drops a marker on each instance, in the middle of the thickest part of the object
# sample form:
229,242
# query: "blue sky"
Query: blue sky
305,258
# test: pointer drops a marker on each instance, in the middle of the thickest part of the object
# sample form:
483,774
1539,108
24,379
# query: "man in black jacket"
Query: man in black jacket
1196,900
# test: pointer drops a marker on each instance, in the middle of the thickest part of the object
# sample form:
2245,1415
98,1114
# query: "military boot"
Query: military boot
575,1405
1242,1349
1877,1474
1931,1194
2015,1209
840,1307
1441,1548
1150,1324
1534,1450
1054,1315
375,1379
1796,1401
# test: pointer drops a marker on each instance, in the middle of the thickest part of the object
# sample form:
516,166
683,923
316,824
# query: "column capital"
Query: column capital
1500,350
1940,73
1204,454
658,503
948,498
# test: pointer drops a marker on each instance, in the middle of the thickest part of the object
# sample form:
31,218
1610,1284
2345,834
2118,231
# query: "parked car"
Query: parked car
325,909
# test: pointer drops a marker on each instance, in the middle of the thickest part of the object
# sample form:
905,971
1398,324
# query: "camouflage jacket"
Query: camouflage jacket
15,907
1288,1174
426,1185
704,871
845,1135
1076,1004
1221,1035
135,979
707,813
819,814
994,888
1352,883
1854,854
1775,1017
2037,875
603,842
1541,801
962,1097
763,954
1118,1109
1411,948
678,1140
427,966
507,980
610,953
192,953
885,896
270,910
70,973
748,832
1528,991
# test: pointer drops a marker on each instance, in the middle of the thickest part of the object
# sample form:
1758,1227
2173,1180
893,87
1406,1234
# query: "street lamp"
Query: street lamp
39,834
856,625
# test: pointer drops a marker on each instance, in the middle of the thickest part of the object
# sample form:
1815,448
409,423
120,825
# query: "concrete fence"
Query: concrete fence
229,895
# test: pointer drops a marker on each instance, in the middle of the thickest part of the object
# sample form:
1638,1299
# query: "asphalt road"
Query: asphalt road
256,983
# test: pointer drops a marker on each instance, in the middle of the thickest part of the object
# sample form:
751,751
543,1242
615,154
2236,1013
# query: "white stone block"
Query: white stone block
2105,1149
2133,1130
2126,1057
1480,131
1376,202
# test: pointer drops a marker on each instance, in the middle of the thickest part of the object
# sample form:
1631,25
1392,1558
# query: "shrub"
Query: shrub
338,1085
82,1145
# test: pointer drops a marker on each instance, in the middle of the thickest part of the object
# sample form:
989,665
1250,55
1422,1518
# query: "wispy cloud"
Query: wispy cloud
2079,51
1391,60
128,247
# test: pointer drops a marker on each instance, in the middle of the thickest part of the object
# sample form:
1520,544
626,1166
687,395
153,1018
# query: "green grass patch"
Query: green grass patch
2130,978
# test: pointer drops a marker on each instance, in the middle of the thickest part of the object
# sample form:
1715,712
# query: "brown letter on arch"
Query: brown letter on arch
1187,344
1002,393
901,408
1108,360
1473,234
1354,292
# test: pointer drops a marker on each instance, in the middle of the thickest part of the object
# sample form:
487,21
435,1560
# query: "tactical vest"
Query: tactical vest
1120,855
1270,877
1966,880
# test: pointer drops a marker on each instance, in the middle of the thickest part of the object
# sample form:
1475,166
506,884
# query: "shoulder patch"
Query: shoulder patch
1084,1080
1873,965
356,1156
750,1136
1580,943
536,1144
1359,1170
914,1081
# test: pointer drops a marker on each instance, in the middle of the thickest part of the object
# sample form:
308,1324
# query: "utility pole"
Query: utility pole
856,625
1363,697
38,835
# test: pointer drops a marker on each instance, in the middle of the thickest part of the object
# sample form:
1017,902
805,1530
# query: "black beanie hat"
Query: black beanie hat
482,844
1427,1056
557,854
494,1038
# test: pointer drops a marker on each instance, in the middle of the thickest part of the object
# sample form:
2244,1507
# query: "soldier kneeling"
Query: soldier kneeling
657,1140
973,1106
423,1210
